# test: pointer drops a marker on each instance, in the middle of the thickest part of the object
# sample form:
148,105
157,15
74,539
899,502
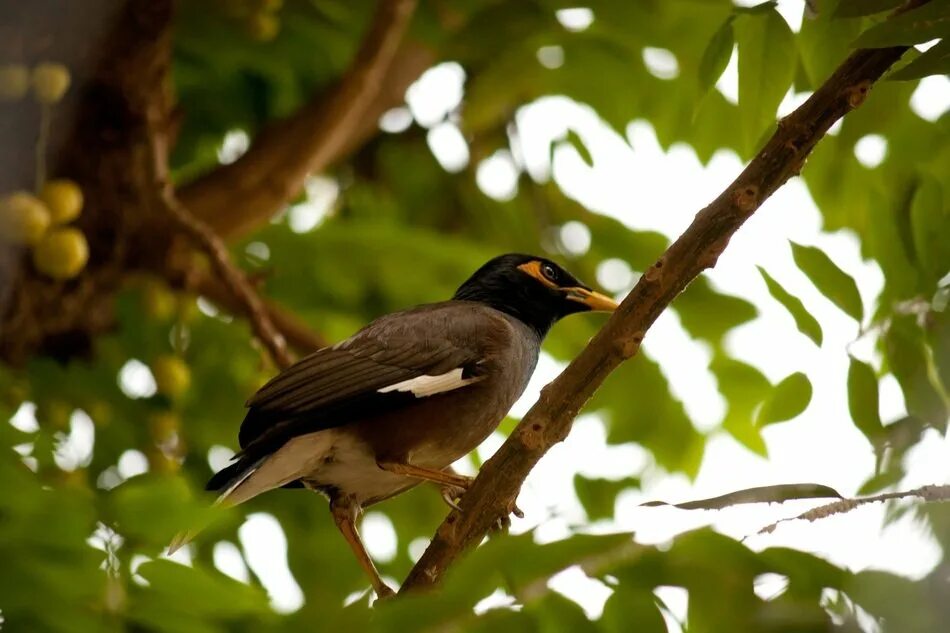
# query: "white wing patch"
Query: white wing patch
423,386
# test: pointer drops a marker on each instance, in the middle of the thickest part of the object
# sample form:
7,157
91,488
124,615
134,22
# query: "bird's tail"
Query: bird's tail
225,482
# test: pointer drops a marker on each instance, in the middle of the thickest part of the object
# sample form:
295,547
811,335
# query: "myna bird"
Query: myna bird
402,399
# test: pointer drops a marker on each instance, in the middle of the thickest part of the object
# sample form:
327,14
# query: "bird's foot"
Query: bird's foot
502,523
452,493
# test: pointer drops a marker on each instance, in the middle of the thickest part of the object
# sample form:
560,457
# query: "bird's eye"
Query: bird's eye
548,271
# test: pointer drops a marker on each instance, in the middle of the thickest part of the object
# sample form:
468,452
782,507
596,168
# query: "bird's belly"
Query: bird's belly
349,467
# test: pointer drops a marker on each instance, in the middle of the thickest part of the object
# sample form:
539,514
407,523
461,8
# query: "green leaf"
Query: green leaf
598,496
910,363
632,609
806,323
830,280
776,493
716,56
863,400
767,61
933,61
788,399
744,388
930,221
919,25
575,141
859,8
709,314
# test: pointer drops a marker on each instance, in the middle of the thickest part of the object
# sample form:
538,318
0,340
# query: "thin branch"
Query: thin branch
214,246
549,420
235,199
927,493
297,333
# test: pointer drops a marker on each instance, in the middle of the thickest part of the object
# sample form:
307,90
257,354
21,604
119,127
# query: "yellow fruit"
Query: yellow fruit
14,82
172,375
263,26
158,301
63,198
62,253
50,82
23,218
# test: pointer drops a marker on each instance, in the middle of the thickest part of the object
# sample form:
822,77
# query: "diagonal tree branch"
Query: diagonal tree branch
235,199
549,420
217,251
297,333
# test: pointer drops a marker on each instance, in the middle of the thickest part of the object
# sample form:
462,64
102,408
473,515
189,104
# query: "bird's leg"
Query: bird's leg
446,478
453,484
345,513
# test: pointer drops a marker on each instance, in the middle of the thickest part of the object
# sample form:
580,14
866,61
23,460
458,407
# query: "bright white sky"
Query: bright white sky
635,181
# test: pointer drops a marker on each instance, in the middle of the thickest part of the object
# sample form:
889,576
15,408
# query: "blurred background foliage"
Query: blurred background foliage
81,534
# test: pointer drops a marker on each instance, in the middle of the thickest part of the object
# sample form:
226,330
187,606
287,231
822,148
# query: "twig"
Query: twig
235,199
549,420
927,493
297,334
217,251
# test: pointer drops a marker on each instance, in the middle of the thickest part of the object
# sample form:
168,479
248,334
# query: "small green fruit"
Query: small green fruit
63,198
61,254
23,218
50,82
14,82
172,375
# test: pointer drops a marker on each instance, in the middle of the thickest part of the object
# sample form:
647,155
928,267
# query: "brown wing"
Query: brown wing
368,372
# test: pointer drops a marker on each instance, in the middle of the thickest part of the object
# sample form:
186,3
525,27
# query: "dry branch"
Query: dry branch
927,493
199,232
549,420
235,199
297,333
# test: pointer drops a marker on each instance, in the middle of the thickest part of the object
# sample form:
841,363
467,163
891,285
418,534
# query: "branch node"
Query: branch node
532,436
746,198
654,272
711,258
858,93
628,347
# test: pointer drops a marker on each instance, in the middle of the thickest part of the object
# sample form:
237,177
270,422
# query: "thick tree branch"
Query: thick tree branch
549,420
217,251
237,198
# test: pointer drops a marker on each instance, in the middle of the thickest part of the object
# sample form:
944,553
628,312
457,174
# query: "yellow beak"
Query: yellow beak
593,300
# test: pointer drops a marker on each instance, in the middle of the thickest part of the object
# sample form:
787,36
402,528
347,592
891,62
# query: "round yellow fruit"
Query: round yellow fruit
172,375
23,218
63,198
61,254
14,82
264,26
50,82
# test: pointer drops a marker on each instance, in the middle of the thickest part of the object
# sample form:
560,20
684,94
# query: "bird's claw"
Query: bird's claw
451,495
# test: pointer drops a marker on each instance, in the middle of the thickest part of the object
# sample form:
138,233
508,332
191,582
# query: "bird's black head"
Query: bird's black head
533,289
